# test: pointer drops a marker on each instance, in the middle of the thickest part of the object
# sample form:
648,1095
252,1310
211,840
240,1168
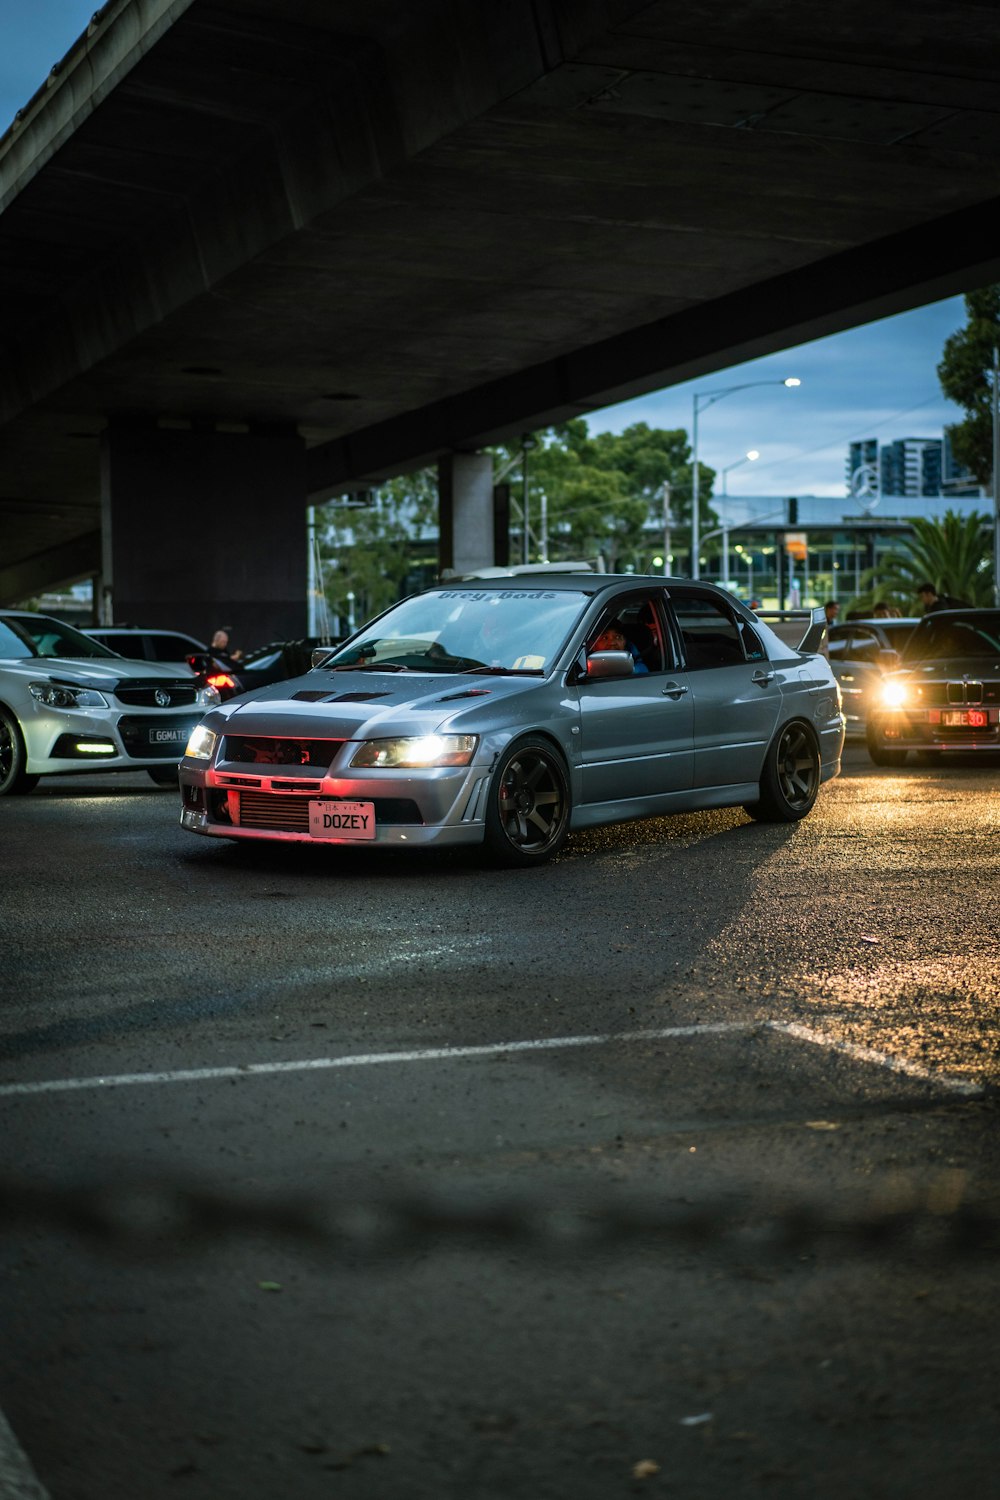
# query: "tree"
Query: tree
965,373
953,553
605,492
370,550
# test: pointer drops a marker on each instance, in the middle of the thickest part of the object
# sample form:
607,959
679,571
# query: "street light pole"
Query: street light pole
700,401
666,528
748,457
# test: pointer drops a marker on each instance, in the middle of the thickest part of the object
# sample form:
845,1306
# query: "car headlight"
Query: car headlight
58,695
201,744
425,750
894,694
207,697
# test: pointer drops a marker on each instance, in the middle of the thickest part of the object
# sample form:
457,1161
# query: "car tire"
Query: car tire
528,806
878,753
163,775
14,779
790,779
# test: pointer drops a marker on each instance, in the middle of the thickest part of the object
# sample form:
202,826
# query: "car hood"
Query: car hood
95,672
346,705
952,667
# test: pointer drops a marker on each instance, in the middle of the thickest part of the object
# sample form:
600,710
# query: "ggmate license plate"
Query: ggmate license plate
966,718
342,820
168,736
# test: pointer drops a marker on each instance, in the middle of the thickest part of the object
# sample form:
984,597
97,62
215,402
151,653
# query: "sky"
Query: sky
878,381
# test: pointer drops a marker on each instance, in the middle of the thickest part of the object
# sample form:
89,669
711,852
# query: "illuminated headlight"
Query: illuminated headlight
57,695
201,744
207,697
427,750
894,694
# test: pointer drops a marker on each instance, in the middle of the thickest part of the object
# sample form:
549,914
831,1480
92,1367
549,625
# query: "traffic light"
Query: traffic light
793,511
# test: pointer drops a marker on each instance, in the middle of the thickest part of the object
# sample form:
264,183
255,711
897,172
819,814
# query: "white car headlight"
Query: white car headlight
421,751
201,744
207,697
894,694
61,695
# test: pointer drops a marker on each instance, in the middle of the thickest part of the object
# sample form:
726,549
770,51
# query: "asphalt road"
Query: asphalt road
594,1168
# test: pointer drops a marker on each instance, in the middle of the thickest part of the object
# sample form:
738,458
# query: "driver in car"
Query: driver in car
612,638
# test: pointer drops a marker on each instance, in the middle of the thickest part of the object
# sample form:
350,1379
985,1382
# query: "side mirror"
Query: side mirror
610,664
320,654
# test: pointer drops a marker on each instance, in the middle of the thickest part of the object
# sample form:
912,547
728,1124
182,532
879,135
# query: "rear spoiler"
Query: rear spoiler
802,629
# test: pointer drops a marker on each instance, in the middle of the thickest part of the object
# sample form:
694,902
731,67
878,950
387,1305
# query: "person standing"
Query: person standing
933,601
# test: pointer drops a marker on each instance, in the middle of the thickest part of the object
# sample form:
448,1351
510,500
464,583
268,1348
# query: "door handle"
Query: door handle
763,678
675,690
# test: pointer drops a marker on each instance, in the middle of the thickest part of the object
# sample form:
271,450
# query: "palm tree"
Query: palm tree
954,554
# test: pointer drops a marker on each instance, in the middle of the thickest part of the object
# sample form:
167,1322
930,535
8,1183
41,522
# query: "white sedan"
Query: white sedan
69,705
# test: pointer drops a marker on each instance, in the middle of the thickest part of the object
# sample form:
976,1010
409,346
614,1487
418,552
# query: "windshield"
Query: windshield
949,635
40,635
453,630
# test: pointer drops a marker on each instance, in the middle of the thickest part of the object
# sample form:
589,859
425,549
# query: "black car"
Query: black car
945,694
861,652
271,663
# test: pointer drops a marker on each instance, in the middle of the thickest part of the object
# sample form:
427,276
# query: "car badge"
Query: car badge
162,698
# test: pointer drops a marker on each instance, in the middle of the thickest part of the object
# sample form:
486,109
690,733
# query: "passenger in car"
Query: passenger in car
612,638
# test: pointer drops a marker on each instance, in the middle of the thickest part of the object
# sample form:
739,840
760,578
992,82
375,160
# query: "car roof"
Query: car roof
587,583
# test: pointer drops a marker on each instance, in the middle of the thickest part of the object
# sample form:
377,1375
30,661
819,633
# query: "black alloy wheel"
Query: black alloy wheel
14,780
527,815
790,779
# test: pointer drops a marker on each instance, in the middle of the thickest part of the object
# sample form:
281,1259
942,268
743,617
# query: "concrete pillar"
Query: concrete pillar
465,490
202,528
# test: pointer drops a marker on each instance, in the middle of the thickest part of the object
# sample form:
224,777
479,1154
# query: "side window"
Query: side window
170,647
125,645
864,646
633,625
710,634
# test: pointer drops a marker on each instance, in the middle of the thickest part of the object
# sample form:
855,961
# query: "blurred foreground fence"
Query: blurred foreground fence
141,1219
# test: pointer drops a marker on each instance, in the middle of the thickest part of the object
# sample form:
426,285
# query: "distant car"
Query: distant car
271,663
147,643
478,712
945,695
69,705
861,652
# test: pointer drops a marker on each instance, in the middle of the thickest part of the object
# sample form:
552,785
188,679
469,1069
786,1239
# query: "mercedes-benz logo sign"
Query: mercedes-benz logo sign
162,698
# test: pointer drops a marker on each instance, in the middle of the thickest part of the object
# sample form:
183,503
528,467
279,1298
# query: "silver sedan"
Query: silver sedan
509,712
69,705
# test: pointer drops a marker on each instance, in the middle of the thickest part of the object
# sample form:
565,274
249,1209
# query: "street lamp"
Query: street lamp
700,401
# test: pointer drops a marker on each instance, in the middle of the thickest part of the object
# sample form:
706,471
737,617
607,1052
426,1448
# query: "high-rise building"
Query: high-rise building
909,467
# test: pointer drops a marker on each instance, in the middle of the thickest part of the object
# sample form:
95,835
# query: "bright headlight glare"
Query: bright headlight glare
894,694
201,744
59,695
426,750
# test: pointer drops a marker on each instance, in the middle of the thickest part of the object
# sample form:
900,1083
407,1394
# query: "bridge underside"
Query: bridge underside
403,229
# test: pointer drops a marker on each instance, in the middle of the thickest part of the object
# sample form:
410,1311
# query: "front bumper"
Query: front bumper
104,740
924,729
412,808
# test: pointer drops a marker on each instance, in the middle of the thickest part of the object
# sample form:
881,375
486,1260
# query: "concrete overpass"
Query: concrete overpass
254,252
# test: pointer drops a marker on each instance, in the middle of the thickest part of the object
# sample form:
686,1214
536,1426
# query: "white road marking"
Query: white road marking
495,1049
18,1480
870,1055
366,1059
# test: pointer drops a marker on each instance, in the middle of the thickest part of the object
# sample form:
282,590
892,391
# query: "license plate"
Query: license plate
168,736
966,718
342,820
